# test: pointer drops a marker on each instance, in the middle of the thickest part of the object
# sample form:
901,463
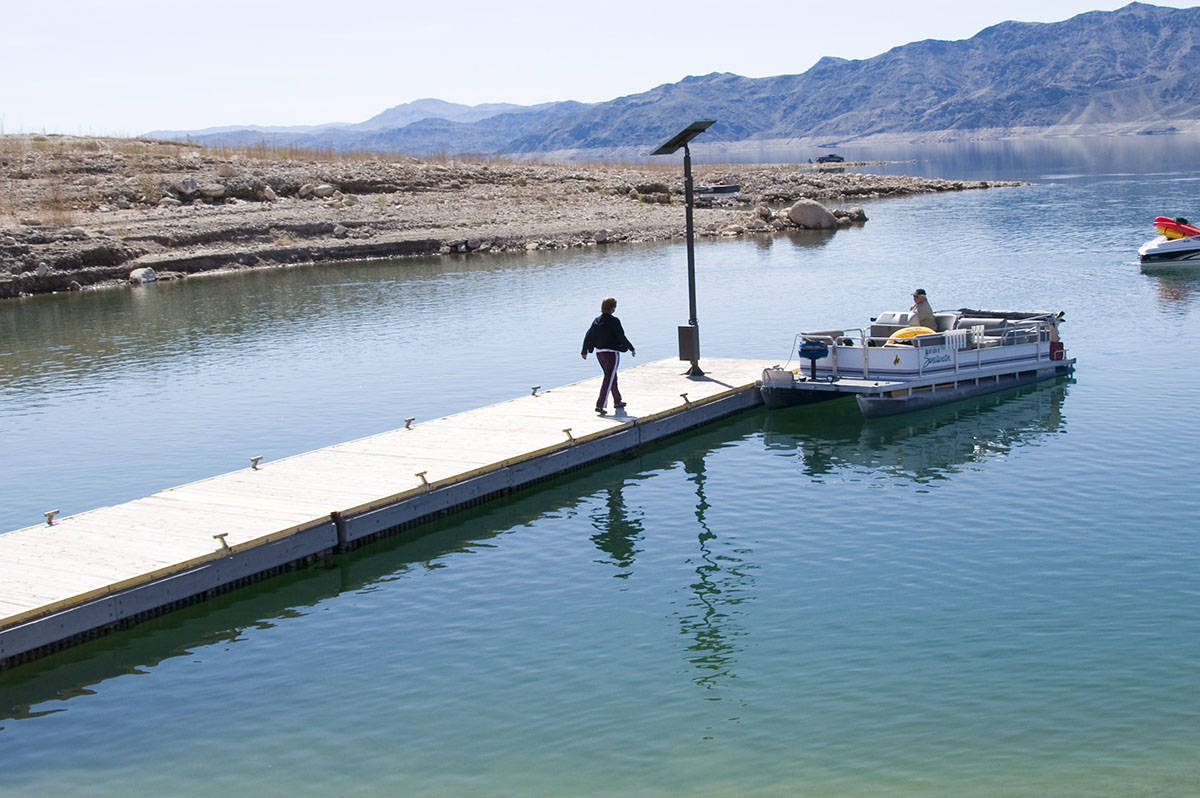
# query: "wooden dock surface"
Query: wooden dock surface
102,560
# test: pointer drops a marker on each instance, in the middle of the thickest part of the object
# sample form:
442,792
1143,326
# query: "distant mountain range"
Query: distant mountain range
1138,66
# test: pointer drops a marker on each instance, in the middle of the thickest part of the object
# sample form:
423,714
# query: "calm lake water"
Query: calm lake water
997,597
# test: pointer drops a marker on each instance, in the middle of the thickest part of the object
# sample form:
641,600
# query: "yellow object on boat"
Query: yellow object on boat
1170,232
909,332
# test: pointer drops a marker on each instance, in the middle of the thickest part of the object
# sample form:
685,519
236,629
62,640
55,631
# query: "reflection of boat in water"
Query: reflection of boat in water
921,445
1175,285
897,367
1178,243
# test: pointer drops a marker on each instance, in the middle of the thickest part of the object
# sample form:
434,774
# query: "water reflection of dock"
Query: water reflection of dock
920,446
107,568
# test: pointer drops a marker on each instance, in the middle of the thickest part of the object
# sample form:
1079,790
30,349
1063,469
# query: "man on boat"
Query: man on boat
920,314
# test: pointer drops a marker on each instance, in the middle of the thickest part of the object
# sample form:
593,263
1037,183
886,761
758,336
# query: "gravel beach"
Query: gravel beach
79,212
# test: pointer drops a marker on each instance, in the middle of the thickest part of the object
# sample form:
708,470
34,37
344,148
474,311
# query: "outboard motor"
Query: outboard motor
814,351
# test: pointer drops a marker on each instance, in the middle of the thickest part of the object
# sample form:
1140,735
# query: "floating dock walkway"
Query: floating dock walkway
77,577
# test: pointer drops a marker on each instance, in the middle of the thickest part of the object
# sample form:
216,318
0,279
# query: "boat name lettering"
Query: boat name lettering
935,355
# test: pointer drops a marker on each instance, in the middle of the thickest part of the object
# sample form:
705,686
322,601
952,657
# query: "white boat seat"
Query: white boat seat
897,318
944,321
988,323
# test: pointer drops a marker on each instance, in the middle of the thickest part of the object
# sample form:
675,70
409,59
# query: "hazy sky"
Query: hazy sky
128,66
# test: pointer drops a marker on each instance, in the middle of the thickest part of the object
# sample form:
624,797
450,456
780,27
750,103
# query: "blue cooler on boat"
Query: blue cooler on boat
814,351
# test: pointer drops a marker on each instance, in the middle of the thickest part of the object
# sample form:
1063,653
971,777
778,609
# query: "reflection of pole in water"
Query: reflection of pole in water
717,588
617,532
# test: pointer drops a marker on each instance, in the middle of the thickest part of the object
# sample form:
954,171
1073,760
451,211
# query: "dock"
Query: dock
73,578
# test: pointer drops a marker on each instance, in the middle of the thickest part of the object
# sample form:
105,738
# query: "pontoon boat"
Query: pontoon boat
893,367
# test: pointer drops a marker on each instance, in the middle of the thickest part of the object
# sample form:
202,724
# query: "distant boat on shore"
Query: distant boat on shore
719,190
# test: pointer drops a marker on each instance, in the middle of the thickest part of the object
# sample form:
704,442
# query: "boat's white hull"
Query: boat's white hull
885,397
902,401
1173,251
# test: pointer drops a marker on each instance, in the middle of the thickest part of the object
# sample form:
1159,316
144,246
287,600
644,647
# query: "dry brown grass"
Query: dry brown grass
55,207
151,147
151,188
144,151
8,213
262,152
13,145
18,144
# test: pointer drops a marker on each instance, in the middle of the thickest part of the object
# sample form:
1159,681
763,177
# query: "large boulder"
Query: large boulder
142,275
811,215
185,189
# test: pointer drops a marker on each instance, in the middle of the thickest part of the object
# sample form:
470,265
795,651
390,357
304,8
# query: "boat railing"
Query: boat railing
966,345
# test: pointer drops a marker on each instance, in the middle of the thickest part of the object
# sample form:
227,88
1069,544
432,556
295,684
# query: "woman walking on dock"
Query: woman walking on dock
607,338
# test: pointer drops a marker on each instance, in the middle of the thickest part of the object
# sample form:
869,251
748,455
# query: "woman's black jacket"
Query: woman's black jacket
606,333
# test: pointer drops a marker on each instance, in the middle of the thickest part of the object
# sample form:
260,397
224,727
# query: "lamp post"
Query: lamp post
689,335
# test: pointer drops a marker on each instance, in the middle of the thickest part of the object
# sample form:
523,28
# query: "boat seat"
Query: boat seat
897,318
988,323
945,321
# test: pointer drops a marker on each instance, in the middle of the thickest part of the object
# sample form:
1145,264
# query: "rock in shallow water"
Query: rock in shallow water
811,215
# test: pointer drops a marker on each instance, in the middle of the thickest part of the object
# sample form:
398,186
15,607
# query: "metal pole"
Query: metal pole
695,370
691,250
689,334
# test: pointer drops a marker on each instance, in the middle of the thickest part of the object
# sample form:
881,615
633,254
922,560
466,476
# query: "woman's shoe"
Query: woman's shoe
602,411
618,405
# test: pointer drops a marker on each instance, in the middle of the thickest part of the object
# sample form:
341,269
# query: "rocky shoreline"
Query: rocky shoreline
78,213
